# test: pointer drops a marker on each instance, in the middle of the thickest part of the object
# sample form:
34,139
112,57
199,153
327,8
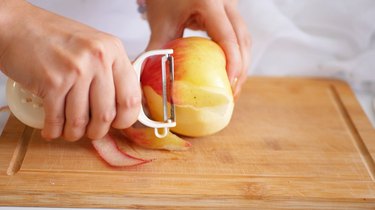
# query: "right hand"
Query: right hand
84,76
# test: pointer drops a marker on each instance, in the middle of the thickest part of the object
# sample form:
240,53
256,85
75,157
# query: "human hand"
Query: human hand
83,76
219,18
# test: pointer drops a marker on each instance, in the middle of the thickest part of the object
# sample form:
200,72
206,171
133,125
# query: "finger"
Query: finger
225,36
128,93
54,116
102,105
77,111
243,38
238,86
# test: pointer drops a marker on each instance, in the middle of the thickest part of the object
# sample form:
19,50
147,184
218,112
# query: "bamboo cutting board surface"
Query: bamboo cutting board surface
297,143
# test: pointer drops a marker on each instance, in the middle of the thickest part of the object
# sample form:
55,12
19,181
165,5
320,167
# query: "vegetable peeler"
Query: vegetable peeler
28,108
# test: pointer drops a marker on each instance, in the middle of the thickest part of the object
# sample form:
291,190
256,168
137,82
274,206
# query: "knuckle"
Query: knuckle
76,65
117,41
130,102
107,117
53,82
78,122
76,70
117,44
61,83
94,44
96,48
55,121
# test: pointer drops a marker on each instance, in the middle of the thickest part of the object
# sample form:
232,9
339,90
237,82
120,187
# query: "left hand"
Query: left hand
219,18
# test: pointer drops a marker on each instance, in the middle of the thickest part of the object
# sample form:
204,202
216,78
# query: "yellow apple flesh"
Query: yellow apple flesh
201,91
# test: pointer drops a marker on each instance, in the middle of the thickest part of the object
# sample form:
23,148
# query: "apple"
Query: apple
201,91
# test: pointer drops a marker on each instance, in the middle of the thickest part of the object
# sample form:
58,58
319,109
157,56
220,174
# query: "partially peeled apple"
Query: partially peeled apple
201,91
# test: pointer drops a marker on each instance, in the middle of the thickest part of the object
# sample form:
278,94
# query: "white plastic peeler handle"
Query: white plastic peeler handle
28,108
142,116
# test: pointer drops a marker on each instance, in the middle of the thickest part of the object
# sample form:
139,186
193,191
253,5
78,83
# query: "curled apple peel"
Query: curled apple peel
113,155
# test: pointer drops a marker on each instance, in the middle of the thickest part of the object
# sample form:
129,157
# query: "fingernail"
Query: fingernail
233,82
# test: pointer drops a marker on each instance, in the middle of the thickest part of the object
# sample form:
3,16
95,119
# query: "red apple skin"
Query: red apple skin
109,151
201,91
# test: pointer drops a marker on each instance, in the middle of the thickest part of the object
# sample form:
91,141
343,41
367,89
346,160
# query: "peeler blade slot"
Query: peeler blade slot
171,81
164,87
167,88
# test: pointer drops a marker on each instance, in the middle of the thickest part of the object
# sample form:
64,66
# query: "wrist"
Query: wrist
8,9
8,12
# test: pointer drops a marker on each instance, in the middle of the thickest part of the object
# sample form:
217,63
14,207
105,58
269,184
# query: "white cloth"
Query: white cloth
320,38
334,38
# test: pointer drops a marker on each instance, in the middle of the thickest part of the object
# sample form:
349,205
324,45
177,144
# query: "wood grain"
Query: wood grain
300,143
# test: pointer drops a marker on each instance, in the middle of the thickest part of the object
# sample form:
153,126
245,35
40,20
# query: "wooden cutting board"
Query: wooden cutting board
297,143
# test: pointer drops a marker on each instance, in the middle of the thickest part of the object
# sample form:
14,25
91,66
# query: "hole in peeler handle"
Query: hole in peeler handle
163,134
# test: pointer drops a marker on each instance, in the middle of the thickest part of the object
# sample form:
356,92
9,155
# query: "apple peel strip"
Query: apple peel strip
109,151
